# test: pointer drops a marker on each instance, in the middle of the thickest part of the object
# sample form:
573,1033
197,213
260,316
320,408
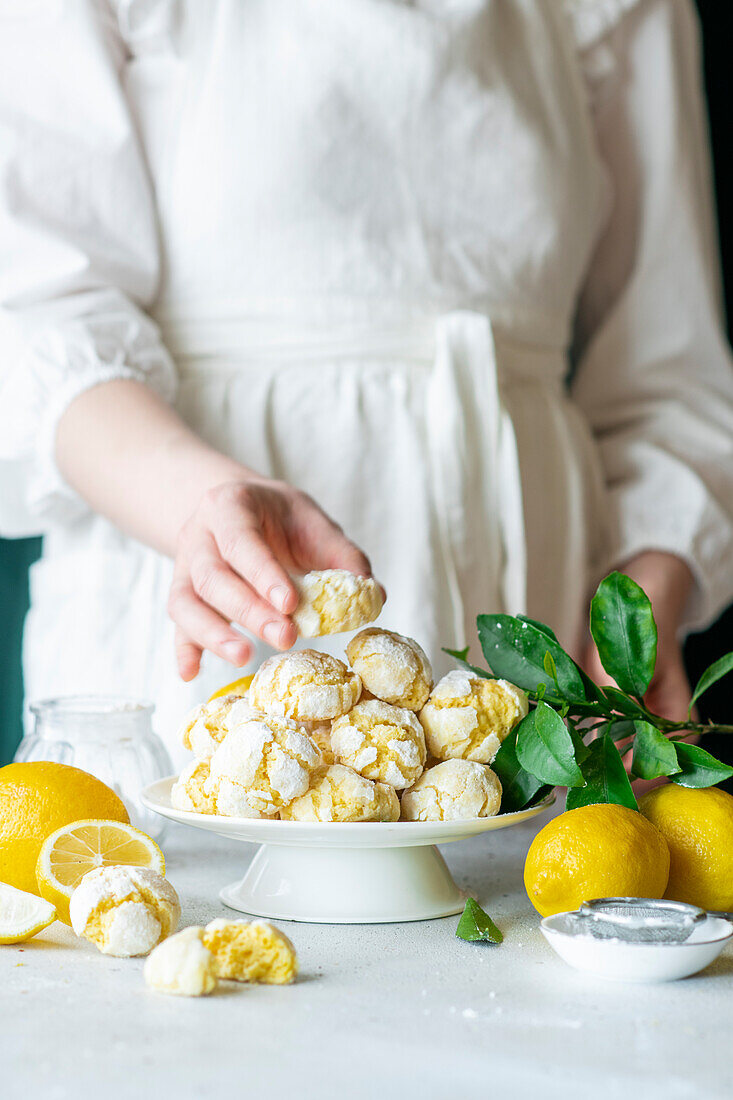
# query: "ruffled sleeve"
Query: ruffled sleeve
79,262
654,374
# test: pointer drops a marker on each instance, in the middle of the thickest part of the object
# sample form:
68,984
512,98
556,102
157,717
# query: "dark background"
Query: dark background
700,649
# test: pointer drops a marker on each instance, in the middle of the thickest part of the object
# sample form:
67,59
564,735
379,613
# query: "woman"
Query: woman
447,268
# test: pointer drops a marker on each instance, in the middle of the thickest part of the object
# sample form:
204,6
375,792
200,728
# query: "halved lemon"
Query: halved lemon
237,687
22,914
73,850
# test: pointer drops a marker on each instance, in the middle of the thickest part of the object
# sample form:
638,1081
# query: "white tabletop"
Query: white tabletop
381,1012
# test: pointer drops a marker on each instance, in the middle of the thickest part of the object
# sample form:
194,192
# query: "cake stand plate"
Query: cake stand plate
352,873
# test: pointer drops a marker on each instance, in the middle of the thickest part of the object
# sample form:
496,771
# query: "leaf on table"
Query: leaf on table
654,755
625,633
711,675
545,748
518,786
605,778
697,767
515,650
475,924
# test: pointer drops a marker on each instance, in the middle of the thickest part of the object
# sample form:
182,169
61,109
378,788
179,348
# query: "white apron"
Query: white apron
375,217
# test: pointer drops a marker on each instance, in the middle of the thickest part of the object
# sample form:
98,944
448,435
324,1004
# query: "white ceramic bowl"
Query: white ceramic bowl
620,961
352,873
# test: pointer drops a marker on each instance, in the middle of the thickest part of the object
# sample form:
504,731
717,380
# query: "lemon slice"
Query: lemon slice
22,914
73,850
237,687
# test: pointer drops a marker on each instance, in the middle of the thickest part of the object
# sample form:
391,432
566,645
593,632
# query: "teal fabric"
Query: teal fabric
16,556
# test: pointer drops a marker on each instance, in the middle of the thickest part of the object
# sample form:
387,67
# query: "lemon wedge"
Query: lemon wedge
237,687
22,914
73,850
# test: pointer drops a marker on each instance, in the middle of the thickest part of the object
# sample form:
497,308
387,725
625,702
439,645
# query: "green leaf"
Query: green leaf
623,628
542,627
605,778
515,650
460,656
622,703
654,754
698,768
618,730
476,925
550,668
710,676
518,787
581,749
545,748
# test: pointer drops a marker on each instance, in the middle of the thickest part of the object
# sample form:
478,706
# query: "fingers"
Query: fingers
242,545
188,656
217,586
319,543
199,627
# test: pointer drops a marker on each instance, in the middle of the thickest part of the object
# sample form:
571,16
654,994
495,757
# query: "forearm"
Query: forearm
133,459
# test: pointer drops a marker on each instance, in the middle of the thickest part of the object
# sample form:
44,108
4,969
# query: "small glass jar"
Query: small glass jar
108,737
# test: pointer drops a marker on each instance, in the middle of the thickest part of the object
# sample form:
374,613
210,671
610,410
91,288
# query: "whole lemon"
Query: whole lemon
698,828
36,799
237,687
595,852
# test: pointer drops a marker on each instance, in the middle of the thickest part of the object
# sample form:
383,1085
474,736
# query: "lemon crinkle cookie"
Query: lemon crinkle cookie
467,717
305,685
381,742
261,766
453,791
208,724
334,600
338,793
124,911
320,735
392,667
189,790
182,965
251,951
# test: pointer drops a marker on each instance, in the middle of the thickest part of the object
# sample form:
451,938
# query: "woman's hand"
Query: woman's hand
232,565
667,581
233,534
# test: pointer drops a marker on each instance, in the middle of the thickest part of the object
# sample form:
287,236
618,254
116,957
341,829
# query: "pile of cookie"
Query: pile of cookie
313,738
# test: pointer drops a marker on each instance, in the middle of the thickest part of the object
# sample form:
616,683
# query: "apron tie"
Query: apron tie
475,464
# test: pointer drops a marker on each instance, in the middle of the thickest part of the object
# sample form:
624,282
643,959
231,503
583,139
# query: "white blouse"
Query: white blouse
184,185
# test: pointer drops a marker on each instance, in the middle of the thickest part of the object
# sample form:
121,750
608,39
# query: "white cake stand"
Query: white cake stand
355,873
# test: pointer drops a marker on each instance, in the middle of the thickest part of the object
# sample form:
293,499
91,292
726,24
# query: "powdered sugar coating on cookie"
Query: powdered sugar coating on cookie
261,766
392,667
124,910
455,790
382,742
467,717
335,600
338,793
208,724
320,735
189,790
182,965
305,685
